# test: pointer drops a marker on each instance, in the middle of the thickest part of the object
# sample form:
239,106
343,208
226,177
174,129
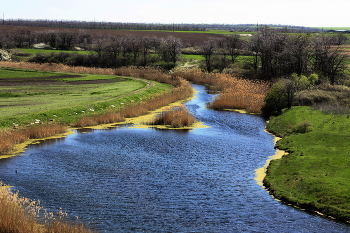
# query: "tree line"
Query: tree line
150,26
270,53
103,25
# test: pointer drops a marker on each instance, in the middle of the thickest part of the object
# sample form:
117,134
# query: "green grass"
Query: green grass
17,73
316,172
191,56
65,102
35,51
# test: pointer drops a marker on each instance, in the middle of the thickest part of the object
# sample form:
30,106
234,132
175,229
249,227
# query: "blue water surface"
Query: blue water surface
147,180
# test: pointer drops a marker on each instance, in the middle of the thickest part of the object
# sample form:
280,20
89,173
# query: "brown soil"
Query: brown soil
194,39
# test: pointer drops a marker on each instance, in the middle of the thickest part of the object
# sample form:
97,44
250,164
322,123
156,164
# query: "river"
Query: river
129,179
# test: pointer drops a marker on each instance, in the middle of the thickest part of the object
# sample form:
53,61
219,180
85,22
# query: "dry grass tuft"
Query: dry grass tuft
10,137
107,118
177,117
18,214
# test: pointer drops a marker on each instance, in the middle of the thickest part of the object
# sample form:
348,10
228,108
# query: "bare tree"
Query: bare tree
298,54
208,50
232,44
22,37
327,59
147,43
66,39
170,48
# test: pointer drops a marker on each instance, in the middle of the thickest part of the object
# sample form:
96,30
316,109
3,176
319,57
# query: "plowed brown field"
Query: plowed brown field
193,38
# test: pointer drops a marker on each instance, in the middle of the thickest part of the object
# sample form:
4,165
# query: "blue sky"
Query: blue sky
308,13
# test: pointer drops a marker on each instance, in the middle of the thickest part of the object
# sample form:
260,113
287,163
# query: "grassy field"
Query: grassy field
28,95
35,51
315,174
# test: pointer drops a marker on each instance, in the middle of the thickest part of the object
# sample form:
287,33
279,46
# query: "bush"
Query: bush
276,99
164,65
302,127
309,98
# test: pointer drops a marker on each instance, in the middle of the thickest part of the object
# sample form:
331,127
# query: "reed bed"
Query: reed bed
10,137
53,67
177,117
21,215
235,93
107,118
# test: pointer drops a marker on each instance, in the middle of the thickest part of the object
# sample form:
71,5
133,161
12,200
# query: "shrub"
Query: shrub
302,127
311,97
164,65
276,99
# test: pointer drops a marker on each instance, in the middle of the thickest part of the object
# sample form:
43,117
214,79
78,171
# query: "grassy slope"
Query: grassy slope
35,51
316,173
22,104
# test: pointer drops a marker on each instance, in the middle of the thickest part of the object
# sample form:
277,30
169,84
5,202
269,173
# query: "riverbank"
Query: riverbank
314,175
182,91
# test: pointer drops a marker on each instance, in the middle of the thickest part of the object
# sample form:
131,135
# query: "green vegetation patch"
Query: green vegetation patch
18,73
35,51
65,98
315,174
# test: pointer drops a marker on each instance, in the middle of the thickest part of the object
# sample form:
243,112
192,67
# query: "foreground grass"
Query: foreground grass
18,214
315,174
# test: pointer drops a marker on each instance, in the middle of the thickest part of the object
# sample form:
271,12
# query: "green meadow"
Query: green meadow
315,174
28,95
35,51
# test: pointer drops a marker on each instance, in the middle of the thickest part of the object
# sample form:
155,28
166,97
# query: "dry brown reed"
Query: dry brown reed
53,67
235,93
107,118
183,91
10,137
177,117
21,215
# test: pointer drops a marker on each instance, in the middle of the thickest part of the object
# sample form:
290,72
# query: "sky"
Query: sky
308,13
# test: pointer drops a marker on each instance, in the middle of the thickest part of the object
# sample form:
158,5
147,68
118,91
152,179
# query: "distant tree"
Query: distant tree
84,37
147,43
339,39
66,39
267,46
208,50
327,59
2,39
296,56
134,46
170,48
22,37
232,44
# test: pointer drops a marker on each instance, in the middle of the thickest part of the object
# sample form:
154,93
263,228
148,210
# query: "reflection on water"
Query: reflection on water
145,180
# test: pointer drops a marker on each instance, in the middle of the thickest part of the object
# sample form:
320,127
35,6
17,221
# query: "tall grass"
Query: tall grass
235,93
53,67
21,215
176,118
107,118
10,137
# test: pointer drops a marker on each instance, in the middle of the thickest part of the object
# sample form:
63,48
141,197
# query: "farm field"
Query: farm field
28,95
